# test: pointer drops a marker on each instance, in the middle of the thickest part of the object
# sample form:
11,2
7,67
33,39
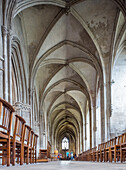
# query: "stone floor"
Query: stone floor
69,165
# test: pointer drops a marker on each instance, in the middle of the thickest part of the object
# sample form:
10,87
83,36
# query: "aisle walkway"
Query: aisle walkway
69,165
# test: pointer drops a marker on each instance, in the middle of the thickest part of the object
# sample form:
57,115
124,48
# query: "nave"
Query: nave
63,74
67,165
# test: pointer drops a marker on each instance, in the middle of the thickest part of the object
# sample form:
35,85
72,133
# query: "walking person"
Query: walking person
67,155
71,155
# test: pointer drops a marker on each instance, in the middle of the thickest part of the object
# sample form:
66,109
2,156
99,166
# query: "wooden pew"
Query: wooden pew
17,141
6,113
123,148
115,149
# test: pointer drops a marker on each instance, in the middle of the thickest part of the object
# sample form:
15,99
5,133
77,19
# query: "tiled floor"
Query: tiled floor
69,165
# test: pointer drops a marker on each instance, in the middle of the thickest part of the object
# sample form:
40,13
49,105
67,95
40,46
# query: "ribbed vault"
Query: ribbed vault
68,45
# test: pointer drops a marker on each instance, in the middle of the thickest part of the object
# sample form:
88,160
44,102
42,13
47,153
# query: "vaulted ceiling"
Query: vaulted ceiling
68,42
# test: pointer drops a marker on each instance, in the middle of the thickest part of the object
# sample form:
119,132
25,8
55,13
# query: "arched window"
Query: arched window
65,144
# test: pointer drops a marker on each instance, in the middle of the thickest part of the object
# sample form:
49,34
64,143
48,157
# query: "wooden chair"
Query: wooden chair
106,150
6,113
94,154
27,143
79,157
82,156
43,155
17,141
89,155
35,149
114,151
31,146
123,148
100,152
110,146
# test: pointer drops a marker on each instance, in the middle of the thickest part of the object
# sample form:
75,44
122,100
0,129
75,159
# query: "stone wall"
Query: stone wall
118,118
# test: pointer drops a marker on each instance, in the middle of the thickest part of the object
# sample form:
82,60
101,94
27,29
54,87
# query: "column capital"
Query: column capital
102,85
109,83
44,133
31,91
95,128
36,123
10,34
18,105
1,58
1,63
26,107
41,113
4,30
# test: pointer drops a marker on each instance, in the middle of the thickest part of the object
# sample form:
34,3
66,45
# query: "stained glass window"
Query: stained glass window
65,143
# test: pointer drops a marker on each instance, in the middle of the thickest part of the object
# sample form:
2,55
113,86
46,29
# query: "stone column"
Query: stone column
79,143
7,84
36,130
93,117
42,130
85,117
26,113
83,135
108,108
5,76
90,124
102,113
44,140
36,127
9,38
31,99
1,76
107,96
82,138
94,125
